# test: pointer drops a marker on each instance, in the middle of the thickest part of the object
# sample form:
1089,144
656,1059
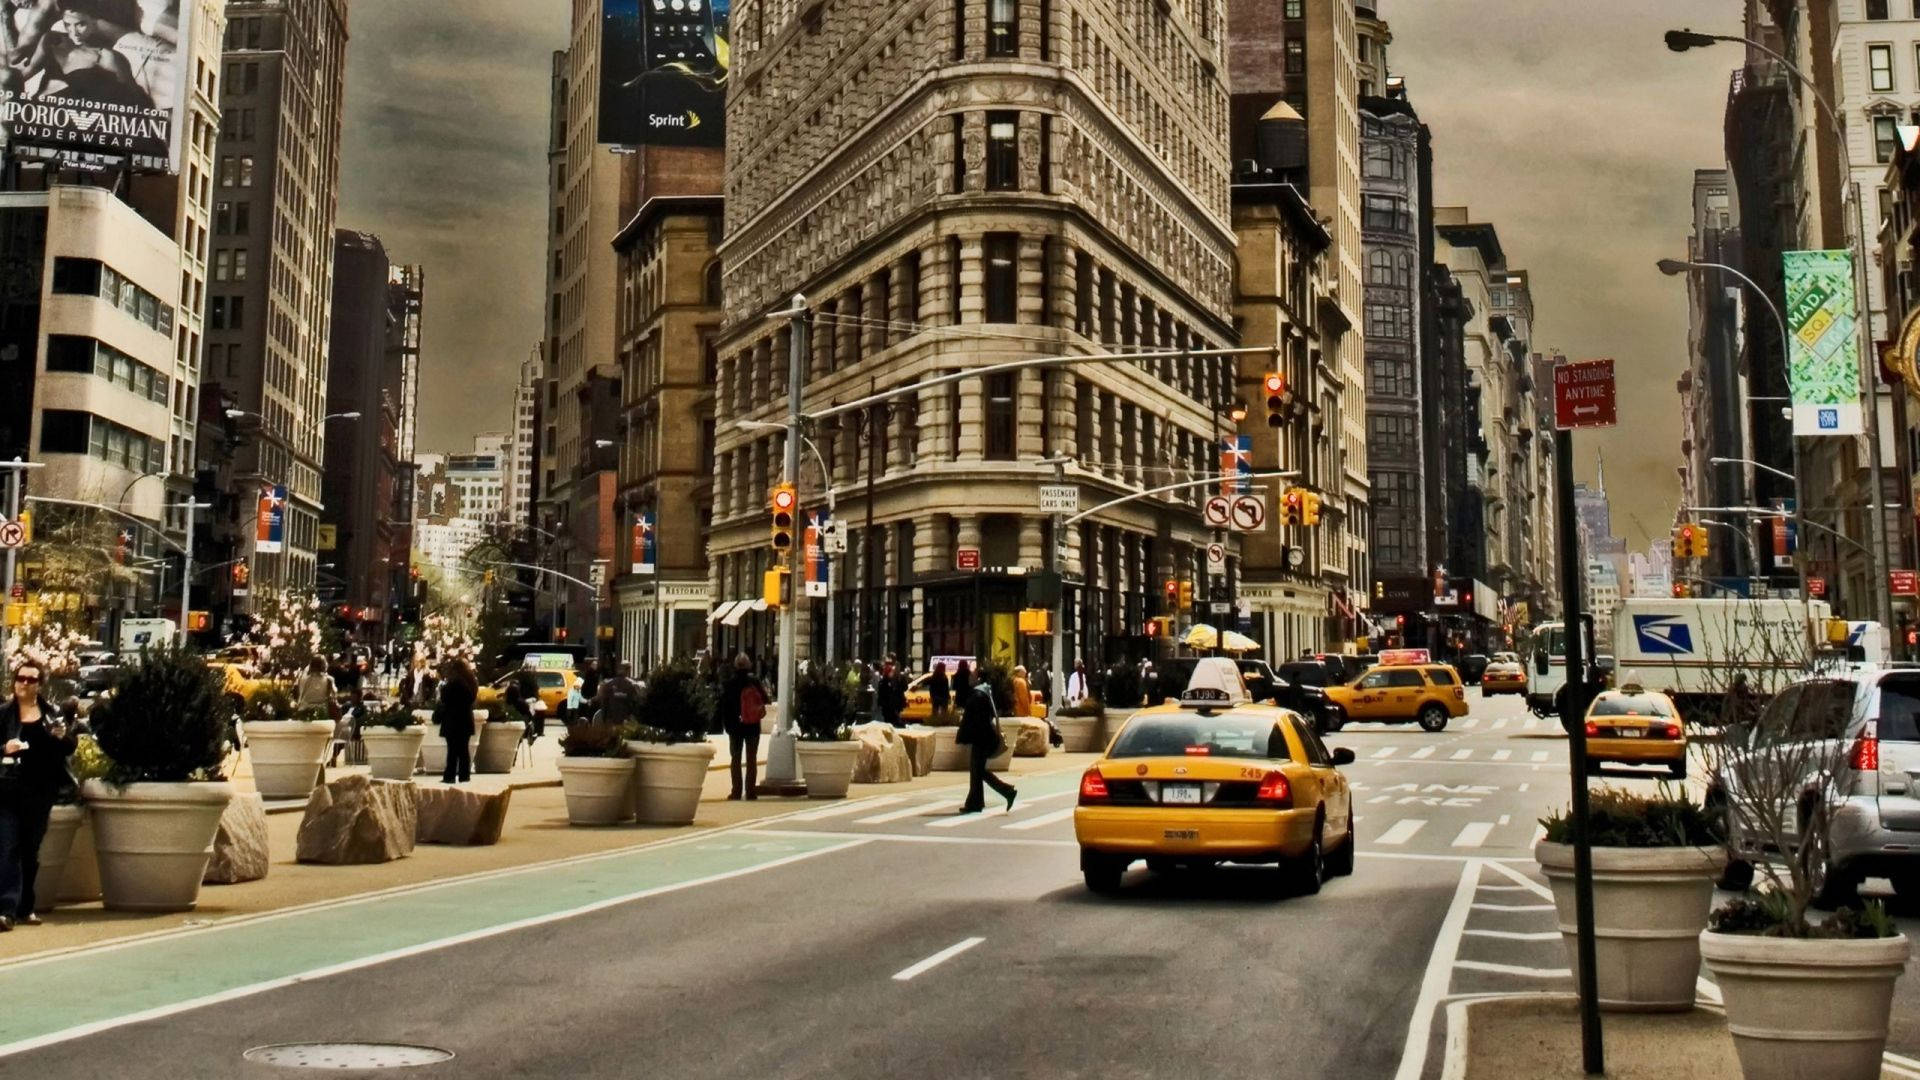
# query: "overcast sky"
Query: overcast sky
1575,133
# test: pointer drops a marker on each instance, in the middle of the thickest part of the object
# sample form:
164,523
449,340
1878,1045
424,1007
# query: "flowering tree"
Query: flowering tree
443,638
52,645
287,632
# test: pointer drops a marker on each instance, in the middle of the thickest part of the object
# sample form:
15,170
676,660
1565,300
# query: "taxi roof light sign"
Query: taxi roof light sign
1215,683
1402,657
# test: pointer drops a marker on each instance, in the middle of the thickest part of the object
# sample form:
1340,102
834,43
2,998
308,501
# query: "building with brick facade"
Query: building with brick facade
950,185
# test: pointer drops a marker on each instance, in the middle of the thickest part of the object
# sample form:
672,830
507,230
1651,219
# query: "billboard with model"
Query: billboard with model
663,72
98,79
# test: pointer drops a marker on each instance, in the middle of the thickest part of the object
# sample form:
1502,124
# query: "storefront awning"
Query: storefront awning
740,609
720,611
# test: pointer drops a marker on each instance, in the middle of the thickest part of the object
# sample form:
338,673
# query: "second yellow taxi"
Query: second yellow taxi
1424,693
1635,726
1216,778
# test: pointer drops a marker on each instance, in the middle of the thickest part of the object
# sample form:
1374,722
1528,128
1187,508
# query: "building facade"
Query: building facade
523,454
1396,232
1714,442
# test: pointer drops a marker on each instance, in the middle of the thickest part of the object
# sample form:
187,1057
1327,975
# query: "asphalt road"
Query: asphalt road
883,938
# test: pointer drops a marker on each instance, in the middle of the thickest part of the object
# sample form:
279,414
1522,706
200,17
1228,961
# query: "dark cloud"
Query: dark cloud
445,159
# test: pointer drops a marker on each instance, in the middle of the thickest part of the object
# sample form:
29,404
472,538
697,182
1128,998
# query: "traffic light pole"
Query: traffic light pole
1573,718
783,770
186,568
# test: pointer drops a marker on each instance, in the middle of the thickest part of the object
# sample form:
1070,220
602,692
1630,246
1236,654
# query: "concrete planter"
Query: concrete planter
153,841
1111,722
1806,1008
1649,906
55,850
287,756
599,790
1010,735
948,756
1078,734
433,752
498,744
827,767
392,753
668,780
80,882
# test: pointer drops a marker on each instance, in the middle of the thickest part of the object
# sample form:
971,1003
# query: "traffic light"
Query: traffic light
1309,508
1379,590
1679,590
1292,506
1683,541
1276,387
1173,594
1700,541
241,574
198,622
773,587
784,501
1186,594
26,526
487,578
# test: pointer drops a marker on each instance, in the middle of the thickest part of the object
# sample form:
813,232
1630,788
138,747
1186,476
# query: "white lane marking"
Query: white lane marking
936,959
1539,755
1515,935
1539,834
850,808
481,934
1506,819
1513,907
1423,752
1484,887
1043,819
1379,799
1469,721
911,811
1512,969
1402,831
1500,723
1528,724
1386,751
1524,787
1474,834
1439,975
1461,755
941,838
958,820
1502,755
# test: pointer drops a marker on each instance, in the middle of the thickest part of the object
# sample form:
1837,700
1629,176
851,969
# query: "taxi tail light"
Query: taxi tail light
1459,693
1667,731
1864,754
1275,791
1093,787
1593,729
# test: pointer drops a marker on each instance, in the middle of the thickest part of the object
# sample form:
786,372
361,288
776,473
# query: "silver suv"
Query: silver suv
1870,718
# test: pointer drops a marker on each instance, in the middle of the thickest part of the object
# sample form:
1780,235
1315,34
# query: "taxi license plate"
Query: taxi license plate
1180,794
1629,733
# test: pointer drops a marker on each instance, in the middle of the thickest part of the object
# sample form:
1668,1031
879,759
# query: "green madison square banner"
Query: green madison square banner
1823,370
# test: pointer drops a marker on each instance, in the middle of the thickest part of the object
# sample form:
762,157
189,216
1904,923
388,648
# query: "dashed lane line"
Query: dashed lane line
1423,752
1386,752
907,973
1474,834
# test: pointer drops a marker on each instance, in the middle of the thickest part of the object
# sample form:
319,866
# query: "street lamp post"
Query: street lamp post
1877,555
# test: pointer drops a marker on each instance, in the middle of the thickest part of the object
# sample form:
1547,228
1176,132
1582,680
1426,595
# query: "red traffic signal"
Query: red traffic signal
1276,388
241,574
783,500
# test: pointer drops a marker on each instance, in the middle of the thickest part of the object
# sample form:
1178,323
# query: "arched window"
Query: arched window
1404,278
713,283
1380,267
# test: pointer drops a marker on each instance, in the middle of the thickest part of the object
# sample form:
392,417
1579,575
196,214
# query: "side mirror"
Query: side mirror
1342,756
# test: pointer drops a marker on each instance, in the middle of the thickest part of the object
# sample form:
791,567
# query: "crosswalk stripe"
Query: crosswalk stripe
1386,751
1379,799
1402,831
1530,724
1511,969
1474,834
849,808
1539,755
957,820
1515,935
1500,723
1470,721
1042,819
1423,752
1462,755
911,811
1502,755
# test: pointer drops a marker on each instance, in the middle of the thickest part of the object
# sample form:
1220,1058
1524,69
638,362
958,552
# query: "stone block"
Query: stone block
240,845
461,816
883,756
1033,739
918,743
356,820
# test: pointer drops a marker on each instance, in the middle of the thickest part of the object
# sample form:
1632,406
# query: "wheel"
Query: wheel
1737,877
1336,718
1102,872
1340,863
1834,887
1309,870
1678,770
1433,718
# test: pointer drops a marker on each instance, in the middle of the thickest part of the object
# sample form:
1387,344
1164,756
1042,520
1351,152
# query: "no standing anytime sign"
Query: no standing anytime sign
1583,394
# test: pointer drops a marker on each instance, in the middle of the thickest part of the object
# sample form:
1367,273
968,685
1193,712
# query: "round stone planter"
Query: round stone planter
1010,735
55,850
1111,721
1806,1008
392,753
948,755
287,756
1078,734
599,790
153,841
827,767
498,743
1649,906
668,779
80,882
433,752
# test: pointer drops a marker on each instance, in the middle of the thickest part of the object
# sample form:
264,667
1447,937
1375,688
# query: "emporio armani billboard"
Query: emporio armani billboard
663,72
95,77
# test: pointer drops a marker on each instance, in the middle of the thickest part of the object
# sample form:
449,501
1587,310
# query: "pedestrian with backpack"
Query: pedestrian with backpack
742,705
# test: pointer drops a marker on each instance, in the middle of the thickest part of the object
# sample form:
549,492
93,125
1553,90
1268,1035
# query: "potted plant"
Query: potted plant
1803,997
286,746
1079,724
1655,859
501,727
166,729
63,824
597,775
827,753
669,744
392,735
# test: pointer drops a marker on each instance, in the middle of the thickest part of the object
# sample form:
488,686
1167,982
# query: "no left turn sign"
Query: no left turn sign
1249,514
1218,510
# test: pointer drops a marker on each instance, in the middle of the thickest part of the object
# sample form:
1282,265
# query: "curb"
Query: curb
296,806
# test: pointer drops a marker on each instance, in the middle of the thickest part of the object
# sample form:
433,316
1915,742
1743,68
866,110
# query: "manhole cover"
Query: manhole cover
346,1055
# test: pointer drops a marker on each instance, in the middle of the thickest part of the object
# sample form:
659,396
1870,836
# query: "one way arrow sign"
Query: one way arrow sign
1583,394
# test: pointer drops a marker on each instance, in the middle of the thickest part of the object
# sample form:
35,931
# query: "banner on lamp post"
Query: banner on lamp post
270,530
814,555
1823,367
1236,464
641,544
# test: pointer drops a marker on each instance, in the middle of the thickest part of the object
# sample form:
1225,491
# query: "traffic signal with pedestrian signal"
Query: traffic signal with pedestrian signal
1309,508
241,574
1681,591
1292,506
784,501
1276,387
773,587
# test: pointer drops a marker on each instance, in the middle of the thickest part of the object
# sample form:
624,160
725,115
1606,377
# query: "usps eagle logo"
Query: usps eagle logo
1663,635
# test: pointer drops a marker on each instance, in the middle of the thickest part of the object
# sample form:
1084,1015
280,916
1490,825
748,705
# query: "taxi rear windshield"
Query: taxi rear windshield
1632,706
1201,736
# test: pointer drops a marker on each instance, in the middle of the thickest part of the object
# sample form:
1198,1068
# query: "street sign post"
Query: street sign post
1583,395
1216,558
1249,513
1059,498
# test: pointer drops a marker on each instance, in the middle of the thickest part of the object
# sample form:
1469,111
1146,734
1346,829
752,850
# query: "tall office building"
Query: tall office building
270,299
521,455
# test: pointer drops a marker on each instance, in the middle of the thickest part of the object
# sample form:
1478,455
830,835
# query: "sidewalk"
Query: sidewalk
1537,1037
536,832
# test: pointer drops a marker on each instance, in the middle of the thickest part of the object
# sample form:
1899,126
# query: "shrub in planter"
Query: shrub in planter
826,750
668,739
500,738
392,735
1654,862
166,729
268,704
1079,724
596,774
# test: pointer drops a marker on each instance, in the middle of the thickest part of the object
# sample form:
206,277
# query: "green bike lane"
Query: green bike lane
73,994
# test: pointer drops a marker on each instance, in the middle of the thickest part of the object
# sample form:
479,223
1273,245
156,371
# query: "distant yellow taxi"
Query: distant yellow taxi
1425,693
1216,778
919,706
1504,676
242,681
1635,726
555,685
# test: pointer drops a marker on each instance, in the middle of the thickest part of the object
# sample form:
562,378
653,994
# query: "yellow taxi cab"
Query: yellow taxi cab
242,679
554,683
1216,778
919,706
1504,675
1636,726
1411,690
